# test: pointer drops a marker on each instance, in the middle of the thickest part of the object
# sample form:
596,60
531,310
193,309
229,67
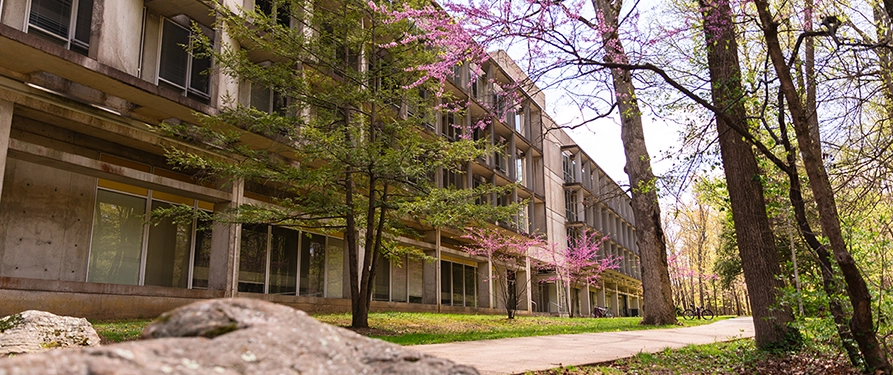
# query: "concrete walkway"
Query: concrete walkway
517,355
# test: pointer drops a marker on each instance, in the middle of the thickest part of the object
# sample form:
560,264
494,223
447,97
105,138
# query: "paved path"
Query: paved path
517,355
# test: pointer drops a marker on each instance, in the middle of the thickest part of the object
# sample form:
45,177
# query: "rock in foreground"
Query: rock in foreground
237,336
34,331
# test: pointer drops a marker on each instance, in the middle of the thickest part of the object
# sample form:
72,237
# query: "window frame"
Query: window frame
70,40
146,228
186,89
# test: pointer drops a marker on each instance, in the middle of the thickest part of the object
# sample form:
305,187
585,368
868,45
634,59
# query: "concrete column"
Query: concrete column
528,286
223,272
5,127
585,302
431,291
485,285
437,269
615,303
600,296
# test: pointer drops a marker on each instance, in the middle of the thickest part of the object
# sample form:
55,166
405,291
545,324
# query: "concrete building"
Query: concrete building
82,80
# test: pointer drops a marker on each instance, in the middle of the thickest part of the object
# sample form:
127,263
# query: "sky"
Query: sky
601,140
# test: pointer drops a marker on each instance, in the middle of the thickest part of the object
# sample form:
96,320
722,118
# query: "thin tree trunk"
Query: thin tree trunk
756,243
862,324
828,283
796,273
658,307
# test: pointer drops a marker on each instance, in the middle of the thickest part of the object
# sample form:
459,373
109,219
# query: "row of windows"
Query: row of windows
126,249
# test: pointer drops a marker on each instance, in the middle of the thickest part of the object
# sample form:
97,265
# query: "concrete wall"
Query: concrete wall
118,42
46,216
151,47
13,13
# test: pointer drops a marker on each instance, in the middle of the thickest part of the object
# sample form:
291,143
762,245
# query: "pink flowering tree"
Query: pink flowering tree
508,255
579,264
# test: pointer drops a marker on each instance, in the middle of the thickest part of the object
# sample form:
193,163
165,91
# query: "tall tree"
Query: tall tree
328,134
656,292
861,324
756,242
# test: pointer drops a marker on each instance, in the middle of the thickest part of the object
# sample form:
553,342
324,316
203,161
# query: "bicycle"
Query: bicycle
697,312
601,312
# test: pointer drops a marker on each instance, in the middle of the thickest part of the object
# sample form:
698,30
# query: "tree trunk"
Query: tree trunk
756,243
828,283
657,295
861,324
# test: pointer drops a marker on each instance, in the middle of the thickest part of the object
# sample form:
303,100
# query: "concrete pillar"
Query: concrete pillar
5,126
223,272
485,285
585,302
600,296
615,303
437,268
431,291
528,287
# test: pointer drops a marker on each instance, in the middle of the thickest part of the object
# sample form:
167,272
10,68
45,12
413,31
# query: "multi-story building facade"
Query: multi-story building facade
82,80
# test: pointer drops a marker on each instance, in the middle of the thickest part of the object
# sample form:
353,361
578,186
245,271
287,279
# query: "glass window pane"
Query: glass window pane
335,268
167,256
284,261
83,22
445,282
416,281
381,287
199,79
117,238
174,57
312,262
260,97
398,286
458,285
202,260
253,258
52,16
470,286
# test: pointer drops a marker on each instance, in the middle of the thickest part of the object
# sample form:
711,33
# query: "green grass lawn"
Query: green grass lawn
429,328
733,357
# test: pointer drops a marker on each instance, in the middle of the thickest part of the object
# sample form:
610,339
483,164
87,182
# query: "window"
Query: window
65,22
453,179
478,181
457,75
502,156
312,264
177,67
523,222
127,249
567,165
274,9
334,268
520,162
421,106
168,253
450,124
267,100
458,284
117,238
283,261
570,205
253,259
381,290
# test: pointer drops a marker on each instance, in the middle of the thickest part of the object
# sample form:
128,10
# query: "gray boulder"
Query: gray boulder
33,331
237,336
